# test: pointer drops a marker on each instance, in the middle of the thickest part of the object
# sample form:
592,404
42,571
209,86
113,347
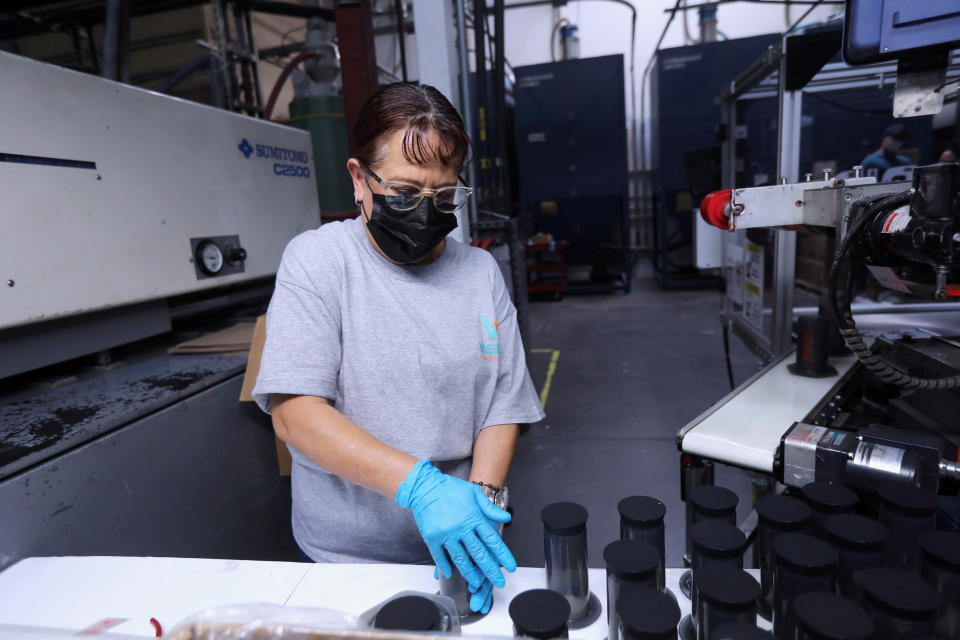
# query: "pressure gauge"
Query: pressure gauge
210,258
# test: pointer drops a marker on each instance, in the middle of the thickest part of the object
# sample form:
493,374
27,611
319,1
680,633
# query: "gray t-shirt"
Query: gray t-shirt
422,357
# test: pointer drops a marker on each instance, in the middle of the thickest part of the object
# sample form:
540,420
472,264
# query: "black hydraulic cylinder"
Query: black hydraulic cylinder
901,604
803,563
775,515
859,542
906,511
565,554
641,518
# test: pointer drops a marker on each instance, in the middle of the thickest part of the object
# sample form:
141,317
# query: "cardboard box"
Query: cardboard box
284,460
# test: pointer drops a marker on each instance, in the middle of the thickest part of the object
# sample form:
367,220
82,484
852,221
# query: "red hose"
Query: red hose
287,70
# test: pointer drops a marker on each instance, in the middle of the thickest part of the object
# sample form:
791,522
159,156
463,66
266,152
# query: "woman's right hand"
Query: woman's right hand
456,516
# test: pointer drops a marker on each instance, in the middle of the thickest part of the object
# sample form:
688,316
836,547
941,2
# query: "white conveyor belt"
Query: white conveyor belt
745,428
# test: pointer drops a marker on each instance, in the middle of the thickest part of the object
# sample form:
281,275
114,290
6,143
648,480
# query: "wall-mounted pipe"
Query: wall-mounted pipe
195,64
116,41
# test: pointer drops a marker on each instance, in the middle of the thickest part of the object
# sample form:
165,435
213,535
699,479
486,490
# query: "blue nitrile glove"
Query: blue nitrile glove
456,515
482,598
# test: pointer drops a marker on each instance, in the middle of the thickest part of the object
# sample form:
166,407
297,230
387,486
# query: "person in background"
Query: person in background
949,155
887,156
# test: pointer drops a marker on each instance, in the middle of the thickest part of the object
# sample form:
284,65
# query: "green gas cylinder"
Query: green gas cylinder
325,118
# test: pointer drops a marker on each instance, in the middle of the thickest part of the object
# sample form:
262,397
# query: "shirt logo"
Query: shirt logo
490,347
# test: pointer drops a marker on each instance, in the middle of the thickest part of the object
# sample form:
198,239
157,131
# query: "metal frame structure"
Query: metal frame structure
776,74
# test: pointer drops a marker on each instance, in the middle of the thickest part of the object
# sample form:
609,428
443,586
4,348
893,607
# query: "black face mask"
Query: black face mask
407,236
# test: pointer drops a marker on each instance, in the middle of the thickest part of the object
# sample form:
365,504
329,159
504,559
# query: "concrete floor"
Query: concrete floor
631,371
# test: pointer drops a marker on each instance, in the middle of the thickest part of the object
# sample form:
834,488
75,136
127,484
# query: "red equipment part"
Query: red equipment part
713,208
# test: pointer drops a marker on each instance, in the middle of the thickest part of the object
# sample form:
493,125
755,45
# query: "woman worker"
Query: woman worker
393,366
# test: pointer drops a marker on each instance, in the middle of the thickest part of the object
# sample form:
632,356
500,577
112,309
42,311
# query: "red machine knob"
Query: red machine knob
713,208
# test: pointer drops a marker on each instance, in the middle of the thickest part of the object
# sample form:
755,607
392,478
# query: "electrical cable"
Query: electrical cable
726,355
841,277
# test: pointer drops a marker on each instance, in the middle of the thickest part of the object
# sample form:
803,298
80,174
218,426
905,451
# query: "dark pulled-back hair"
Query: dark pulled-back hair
417,109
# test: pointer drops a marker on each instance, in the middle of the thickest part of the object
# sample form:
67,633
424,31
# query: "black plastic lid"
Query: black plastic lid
783,512
631,559
740,631
409,613
540,613
647,613
728,588
908,499
564,518
713,500
853,531
827,616
829,497
899,591
941,548
804,553
641,511
717,539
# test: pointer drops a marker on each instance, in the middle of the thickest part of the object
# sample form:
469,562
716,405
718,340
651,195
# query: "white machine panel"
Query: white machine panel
784,205
745,428
155,172
707,243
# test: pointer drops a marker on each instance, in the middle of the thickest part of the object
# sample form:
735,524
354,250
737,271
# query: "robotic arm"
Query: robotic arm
891,228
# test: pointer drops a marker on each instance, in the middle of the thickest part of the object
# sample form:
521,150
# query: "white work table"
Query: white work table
77,592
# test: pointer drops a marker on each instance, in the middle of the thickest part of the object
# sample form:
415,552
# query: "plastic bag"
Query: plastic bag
262,621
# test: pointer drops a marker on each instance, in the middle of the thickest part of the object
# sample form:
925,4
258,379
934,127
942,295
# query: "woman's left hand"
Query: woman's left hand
456,516
482,598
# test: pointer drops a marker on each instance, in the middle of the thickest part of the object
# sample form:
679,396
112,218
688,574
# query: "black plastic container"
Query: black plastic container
725,595
860,543
539,613
717,543
456,588
826,499
641,518
565,553
708,502
940,567
775,515
632,563
409,613
740,631
803,563
647,614
906,511
901,604
827,616
714,543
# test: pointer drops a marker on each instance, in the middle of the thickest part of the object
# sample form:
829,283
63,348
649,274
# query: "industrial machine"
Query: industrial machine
133,220
685,117
904,234
885,406
572,159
